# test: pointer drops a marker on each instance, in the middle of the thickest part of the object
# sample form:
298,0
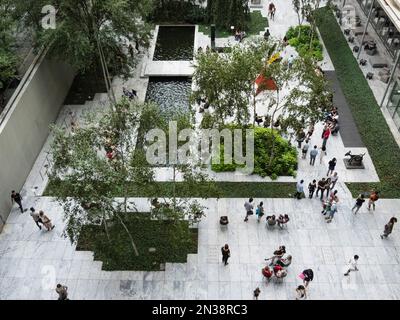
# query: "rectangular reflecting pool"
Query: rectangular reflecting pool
174,43
170,93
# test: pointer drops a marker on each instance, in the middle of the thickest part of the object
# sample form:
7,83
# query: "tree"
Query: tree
86,27
8,59
301,97
90,180
227,80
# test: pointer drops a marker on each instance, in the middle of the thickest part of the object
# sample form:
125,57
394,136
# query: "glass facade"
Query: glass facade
385,29
393,104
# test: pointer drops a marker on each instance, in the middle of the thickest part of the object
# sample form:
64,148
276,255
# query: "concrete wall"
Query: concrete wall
26,126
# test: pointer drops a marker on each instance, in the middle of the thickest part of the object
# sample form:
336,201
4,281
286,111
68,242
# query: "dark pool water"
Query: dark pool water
170,93
174,43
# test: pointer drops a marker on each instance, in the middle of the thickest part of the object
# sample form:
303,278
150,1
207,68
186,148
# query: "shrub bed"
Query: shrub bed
300,38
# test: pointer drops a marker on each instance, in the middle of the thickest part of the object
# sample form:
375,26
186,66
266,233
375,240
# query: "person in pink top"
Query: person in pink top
325,135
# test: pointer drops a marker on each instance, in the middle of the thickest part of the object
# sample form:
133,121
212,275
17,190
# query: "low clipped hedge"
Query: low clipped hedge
371,124
300,37
284,162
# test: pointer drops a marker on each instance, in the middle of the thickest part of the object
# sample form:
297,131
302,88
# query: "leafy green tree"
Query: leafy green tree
8,59
84,26
90,180
227,80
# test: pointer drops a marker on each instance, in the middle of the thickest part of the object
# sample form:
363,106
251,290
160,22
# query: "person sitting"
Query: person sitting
266,34
278,254
237,35
284,262
271,220
242,36
155,203
279,271
224,220
130,94
282,220
200,50
267,273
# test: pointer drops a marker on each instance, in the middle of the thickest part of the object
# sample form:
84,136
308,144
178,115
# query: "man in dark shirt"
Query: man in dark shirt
359,202
16,197
321,187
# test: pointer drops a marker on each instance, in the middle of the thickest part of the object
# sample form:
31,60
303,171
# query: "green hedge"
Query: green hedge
284,162
165,189
371,124
300,37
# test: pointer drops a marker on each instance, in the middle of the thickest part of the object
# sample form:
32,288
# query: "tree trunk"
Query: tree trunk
106,228
129,234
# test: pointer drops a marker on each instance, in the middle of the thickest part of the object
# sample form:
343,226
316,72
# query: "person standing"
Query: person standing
300,138
388,228
313,155
325,135
334,179
260,211
46,221
249,209
321,187
62,292
290,61
327,188
331,166
301,293
352,265
372,199
16,197
299,189
226,253
311,188
359,202
36,217
266,34
256,293
305,148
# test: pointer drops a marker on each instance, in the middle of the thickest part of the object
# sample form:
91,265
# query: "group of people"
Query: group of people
130,94
271,220
279,264
240,35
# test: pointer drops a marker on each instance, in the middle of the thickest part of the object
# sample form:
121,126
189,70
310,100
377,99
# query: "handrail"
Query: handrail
21,86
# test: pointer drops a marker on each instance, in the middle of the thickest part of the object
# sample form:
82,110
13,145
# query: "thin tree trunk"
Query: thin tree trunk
129,234
106,228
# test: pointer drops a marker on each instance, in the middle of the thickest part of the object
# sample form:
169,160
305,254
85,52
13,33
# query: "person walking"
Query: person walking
249,209
372,199
311,188
307,276
260,211
305,148
226,254
299,189
322,154
325,135
46,221
331,166
36,217
332,211
321,187
352,265
16,197
313,155
62,292
271,10
256,293
388,228
301,293
359,202
334,180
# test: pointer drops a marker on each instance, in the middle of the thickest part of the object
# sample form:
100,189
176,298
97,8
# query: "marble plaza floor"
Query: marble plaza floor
32,262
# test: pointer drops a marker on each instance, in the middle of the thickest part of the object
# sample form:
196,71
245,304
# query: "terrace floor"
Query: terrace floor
32,262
